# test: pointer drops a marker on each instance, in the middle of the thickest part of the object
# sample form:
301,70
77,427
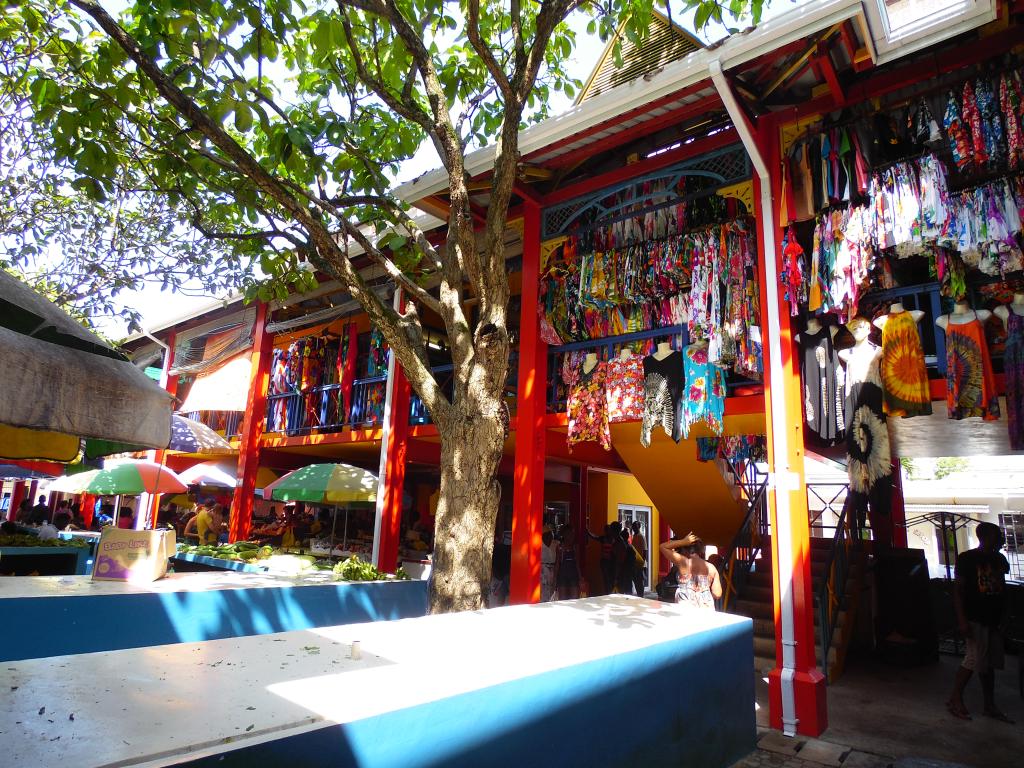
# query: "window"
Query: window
899,27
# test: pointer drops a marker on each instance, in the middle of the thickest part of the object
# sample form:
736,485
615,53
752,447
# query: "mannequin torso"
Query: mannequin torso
1016,307
664,350
895,308
962,314
590,362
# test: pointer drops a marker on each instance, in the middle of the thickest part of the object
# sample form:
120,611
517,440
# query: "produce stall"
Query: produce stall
54,615
26,554
403,694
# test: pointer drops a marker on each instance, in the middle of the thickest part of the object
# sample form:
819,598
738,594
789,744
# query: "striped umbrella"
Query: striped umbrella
324,484
190,436
223,474
129,478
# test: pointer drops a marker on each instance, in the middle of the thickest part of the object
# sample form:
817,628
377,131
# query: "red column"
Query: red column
32,491
253,421
17,494
391,479
898,521
347,369
531,404
796,673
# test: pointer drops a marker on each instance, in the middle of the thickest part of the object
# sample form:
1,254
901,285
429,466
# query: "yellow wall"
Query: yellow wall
606,491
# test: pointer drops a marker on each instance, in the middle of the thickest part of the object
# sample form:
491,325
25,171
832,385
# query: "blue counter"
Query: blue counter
45,561
182,560
65,615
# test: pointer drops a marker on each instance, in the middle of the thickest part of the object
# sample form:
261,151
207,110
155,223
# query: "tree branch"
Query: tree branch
484,52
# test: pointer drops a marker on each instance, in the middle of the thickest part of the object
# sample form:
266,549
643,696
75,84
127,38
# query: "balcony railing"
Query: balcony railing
323,408
227,423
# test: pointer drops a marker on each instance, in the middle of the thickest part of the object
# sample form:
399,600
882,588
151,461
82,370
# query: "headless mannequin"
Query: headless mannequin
664,350
590,362
814,325
625,354
917,314
1016,307
962,314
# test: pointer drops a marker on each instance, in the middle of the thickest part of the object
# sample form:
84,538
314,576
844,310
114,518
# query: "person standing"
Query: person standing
640,571
625,563
40,512
567,566
607,541
979,598
699,583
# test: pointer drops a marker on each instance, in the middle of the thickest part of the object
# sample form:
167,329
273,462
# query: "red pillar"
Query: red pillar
17,494
528,490
253,421
898,521
796,669
347,370
391,480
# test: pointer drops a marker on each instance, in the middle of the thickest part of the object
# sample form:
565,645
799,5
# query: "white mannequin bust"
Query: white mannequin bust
589,362
860,329
961,315
664,350
1016,306
814,325
896,308
625,354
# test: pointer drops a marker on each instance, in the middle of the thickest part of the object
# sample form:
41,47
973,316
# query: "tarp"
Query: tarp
225,389
55,376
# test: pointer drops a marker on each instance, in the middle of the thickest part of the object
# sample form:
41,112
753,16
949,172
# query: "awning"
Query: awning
57,377
225,389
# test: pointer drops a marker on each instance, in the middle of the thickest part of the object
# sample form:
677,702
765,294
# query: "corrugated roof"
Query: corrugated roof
665,42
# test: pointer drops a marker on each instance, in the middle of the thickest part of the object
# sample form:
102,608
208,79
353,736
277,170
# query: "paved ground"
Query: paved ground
883,716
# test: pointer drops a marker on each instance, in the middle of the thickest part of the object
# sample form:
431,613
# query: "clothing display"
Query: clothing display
588,409
734,448
704,391
970,385
822,384
624,389
869,462
1013,365
663,390
904,378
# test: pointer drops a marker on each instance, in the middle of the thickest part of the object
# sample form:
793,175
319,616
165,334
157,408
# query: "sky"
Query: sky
159,307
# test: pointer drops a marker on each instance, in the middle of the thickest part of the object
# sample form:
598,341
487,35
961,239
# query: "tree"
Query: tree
276,124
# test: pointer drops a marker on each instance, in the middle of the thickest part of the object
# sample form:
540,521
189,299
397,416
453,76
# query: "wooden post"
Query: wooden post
528,491
391,478
253,421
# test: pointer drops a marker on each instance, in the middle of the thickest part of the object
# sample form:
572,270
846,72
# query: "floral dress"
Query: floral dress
624,389
704,392
587,407
904,378
1013,364
970,385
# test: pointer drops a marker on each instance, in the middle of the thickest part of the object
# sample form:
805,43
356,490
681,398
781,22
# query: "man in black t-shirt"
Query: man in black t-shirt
979,597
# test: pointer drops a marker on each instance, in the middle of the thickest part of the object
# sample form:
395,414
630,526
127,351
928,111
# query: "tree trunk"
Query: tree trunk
471,447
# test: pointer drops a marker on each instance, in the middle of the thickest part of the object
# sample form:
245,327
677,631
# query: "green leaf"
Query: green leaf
243,118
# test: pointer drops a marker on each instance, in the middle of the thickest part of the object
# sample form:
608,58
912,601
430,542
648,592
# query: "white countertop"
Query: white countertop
146,706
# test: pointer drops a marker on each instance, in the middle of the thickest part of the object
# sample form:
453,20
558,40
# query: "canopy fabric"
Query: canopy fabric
222,474
16,472
56,376
20,443
324,484
190,436
129,478
224,389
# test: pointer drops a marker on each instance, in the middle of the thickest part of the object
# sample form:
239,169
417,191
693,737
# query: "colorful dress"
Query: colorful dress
588,408
970,385
663,389
822,387
624,389
869,458
704,396
1013,364
904,378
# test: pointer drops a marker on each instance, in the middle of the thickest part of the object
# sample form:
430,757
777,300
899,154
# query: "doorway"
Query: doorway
630,513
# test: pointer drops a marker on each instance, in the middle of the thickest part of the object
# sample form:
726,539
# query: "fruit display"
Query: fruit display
354,569
29,540
245,551
291,563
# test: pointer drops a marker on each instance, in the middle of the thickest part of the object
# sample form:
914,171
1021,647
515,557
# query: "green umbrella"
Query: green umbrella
129,479
324,484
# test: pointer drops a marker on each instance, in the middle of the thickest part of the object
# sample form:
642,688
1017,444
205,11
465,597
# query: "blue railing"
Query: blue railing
323,408
228,423
445,378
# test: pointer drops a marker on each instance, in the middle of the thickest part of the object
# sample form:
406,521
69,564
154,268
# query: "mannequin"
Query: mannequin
860,329
895,308
590,362
1016,307
625,354
962,314
814,325
664,350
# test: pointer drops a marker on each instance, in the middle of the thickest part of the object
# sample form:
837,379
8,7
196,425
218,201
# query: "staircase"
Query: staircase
755,602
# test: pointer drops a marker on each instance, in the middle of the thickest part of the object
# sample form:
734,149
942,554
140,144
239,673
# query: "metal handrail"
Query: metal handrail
831,592
745,547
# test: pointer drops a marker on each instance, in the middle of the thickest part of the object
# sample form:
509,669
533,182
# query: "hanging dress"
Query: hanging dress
588,410
663,388
624,389
821,377
1013,364
904,378
704,395
970,385
869,458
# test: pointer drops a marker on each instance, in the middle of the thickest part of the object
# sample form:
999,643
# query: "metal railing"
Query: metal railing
228,423
825,504
445,378
830,595
747,544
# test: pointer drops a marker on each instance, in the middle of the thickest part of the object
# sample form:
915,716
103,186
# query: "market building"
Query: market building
721,215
